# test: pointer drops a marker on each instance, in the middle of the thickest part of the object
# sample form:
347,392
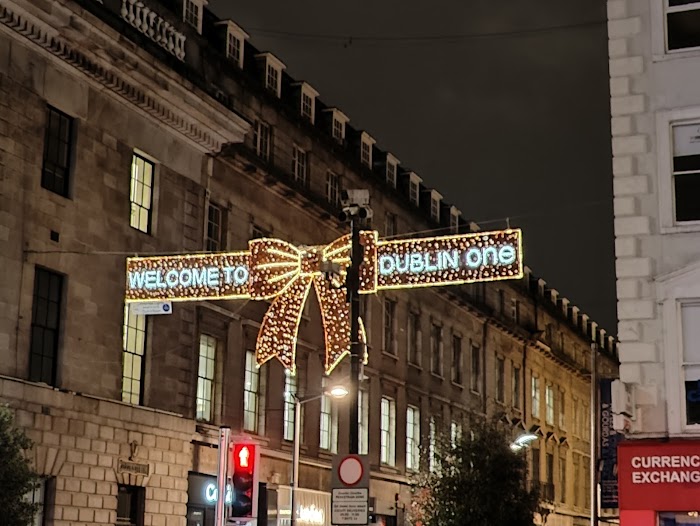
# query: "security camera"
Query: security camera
354,198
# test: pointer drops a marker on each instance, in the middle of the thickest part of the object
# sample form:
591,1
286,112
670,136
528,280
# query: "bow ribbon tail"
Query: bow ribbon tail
335,314
277,337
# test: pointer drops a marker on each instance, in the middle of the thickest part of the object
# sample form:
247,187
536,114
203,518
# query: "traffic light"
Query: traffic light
245,481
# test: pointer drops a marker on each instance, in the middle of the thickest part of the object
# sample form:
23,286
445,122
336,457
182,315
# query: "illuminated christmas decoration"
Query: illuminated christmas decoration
276,270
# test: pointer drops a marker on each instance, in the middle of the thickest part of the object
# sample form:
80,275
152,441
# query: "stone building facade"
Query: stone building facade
138,129
654,50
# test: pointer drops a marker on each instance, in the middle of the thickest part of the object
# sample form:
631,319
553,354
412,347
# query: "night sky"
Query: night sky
503,107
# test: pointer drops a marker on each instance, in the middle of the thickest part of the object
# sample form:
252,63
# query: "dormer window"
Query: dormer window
392,168
435,199
307,101
192,11
414,188
454,219
338,122
272,72
366,144
235,39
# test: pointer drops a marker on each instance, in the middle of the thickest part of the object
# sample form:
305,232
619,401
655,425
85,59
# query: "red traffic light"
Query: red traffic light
245,480
244,458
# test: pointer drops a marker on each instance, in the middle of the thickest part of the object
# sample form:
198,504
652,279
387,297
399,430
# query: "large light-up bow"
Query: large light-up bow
284,273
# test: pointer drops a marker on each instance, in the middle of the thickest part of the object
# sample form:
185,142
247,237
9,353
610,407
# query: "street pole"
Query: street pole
353,285
224,444
594,434
295,458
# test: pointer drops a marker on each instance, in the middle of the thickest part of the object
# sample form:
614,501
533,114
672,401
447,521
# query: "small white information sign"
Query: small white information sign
151,308
350,506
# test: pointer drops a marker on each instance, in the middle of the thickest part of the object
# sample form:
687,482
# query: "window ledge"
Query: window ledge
677,54
685,227
416,366
472,391
458,385
436,375
390,355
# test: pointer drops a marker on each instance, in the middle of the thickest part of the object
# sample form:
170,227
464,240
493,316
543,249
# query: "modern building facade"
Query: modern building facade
654,53
130,128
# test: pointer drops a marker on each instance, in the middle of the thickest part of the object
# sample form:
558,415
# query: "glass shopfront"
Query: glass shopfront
690,518
201,499
313,507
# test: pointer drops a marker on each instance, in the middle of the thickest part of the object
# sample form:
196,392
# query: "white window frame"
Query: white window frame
535,396
664,134
262,143
290,391
253,399
300,165
412,438
234,31
363,424
199,4
549,404
562,409
367,143
392,170
206,378
332,188
306,91
414,182
328,428
435,200
338,122
659,32
141,185
272,63
675,289
387,428
134,344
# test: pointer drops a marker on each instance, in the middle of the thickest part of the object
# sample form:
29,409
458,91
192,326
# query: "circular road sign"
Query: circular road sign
350,471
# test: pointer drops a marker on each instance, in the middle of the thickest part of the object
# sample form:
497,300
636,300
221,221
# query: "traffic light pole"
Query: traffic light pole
353,286
224,445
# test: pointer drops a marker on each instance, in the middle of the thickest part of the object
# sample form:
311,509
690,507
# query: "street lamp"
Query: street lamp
337,391
522,441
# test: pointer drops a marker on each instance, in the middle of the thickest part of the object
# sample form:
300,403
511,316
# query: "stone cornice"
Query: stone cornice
208,130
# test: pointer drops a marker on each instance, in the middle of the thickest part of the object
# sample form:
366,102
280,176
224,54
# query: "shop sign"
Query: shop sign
662,476
203,491
609,439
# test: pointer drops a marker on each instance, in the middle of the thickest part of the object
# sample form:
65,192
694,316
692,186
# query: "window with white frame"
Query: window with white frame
389,343
328,438
262,136
338,129
363,424
133,356
435,205
413,338
366,143
682,24
272,78
412,438
300,165
686,169
391,172
332,188
307,101
205,377
690,364
141,193
549,404
253,395
390,229
192,13
290,392
235,40
388,431
215,239
535,396
562,409
414,192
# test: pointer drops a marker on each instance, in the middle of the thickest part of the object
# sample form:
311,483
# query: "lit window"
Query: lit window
535,396
328,438
261,140
686,169
413,343
475,378
501,379
46,321
516,387
299,165
215,228
205,377
363,424
290,392
251,394
390,229
142,171
549,404
133,355
388,431
682,21
412,438
457,359
193,14
333,188
436,349
389,326
58,148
